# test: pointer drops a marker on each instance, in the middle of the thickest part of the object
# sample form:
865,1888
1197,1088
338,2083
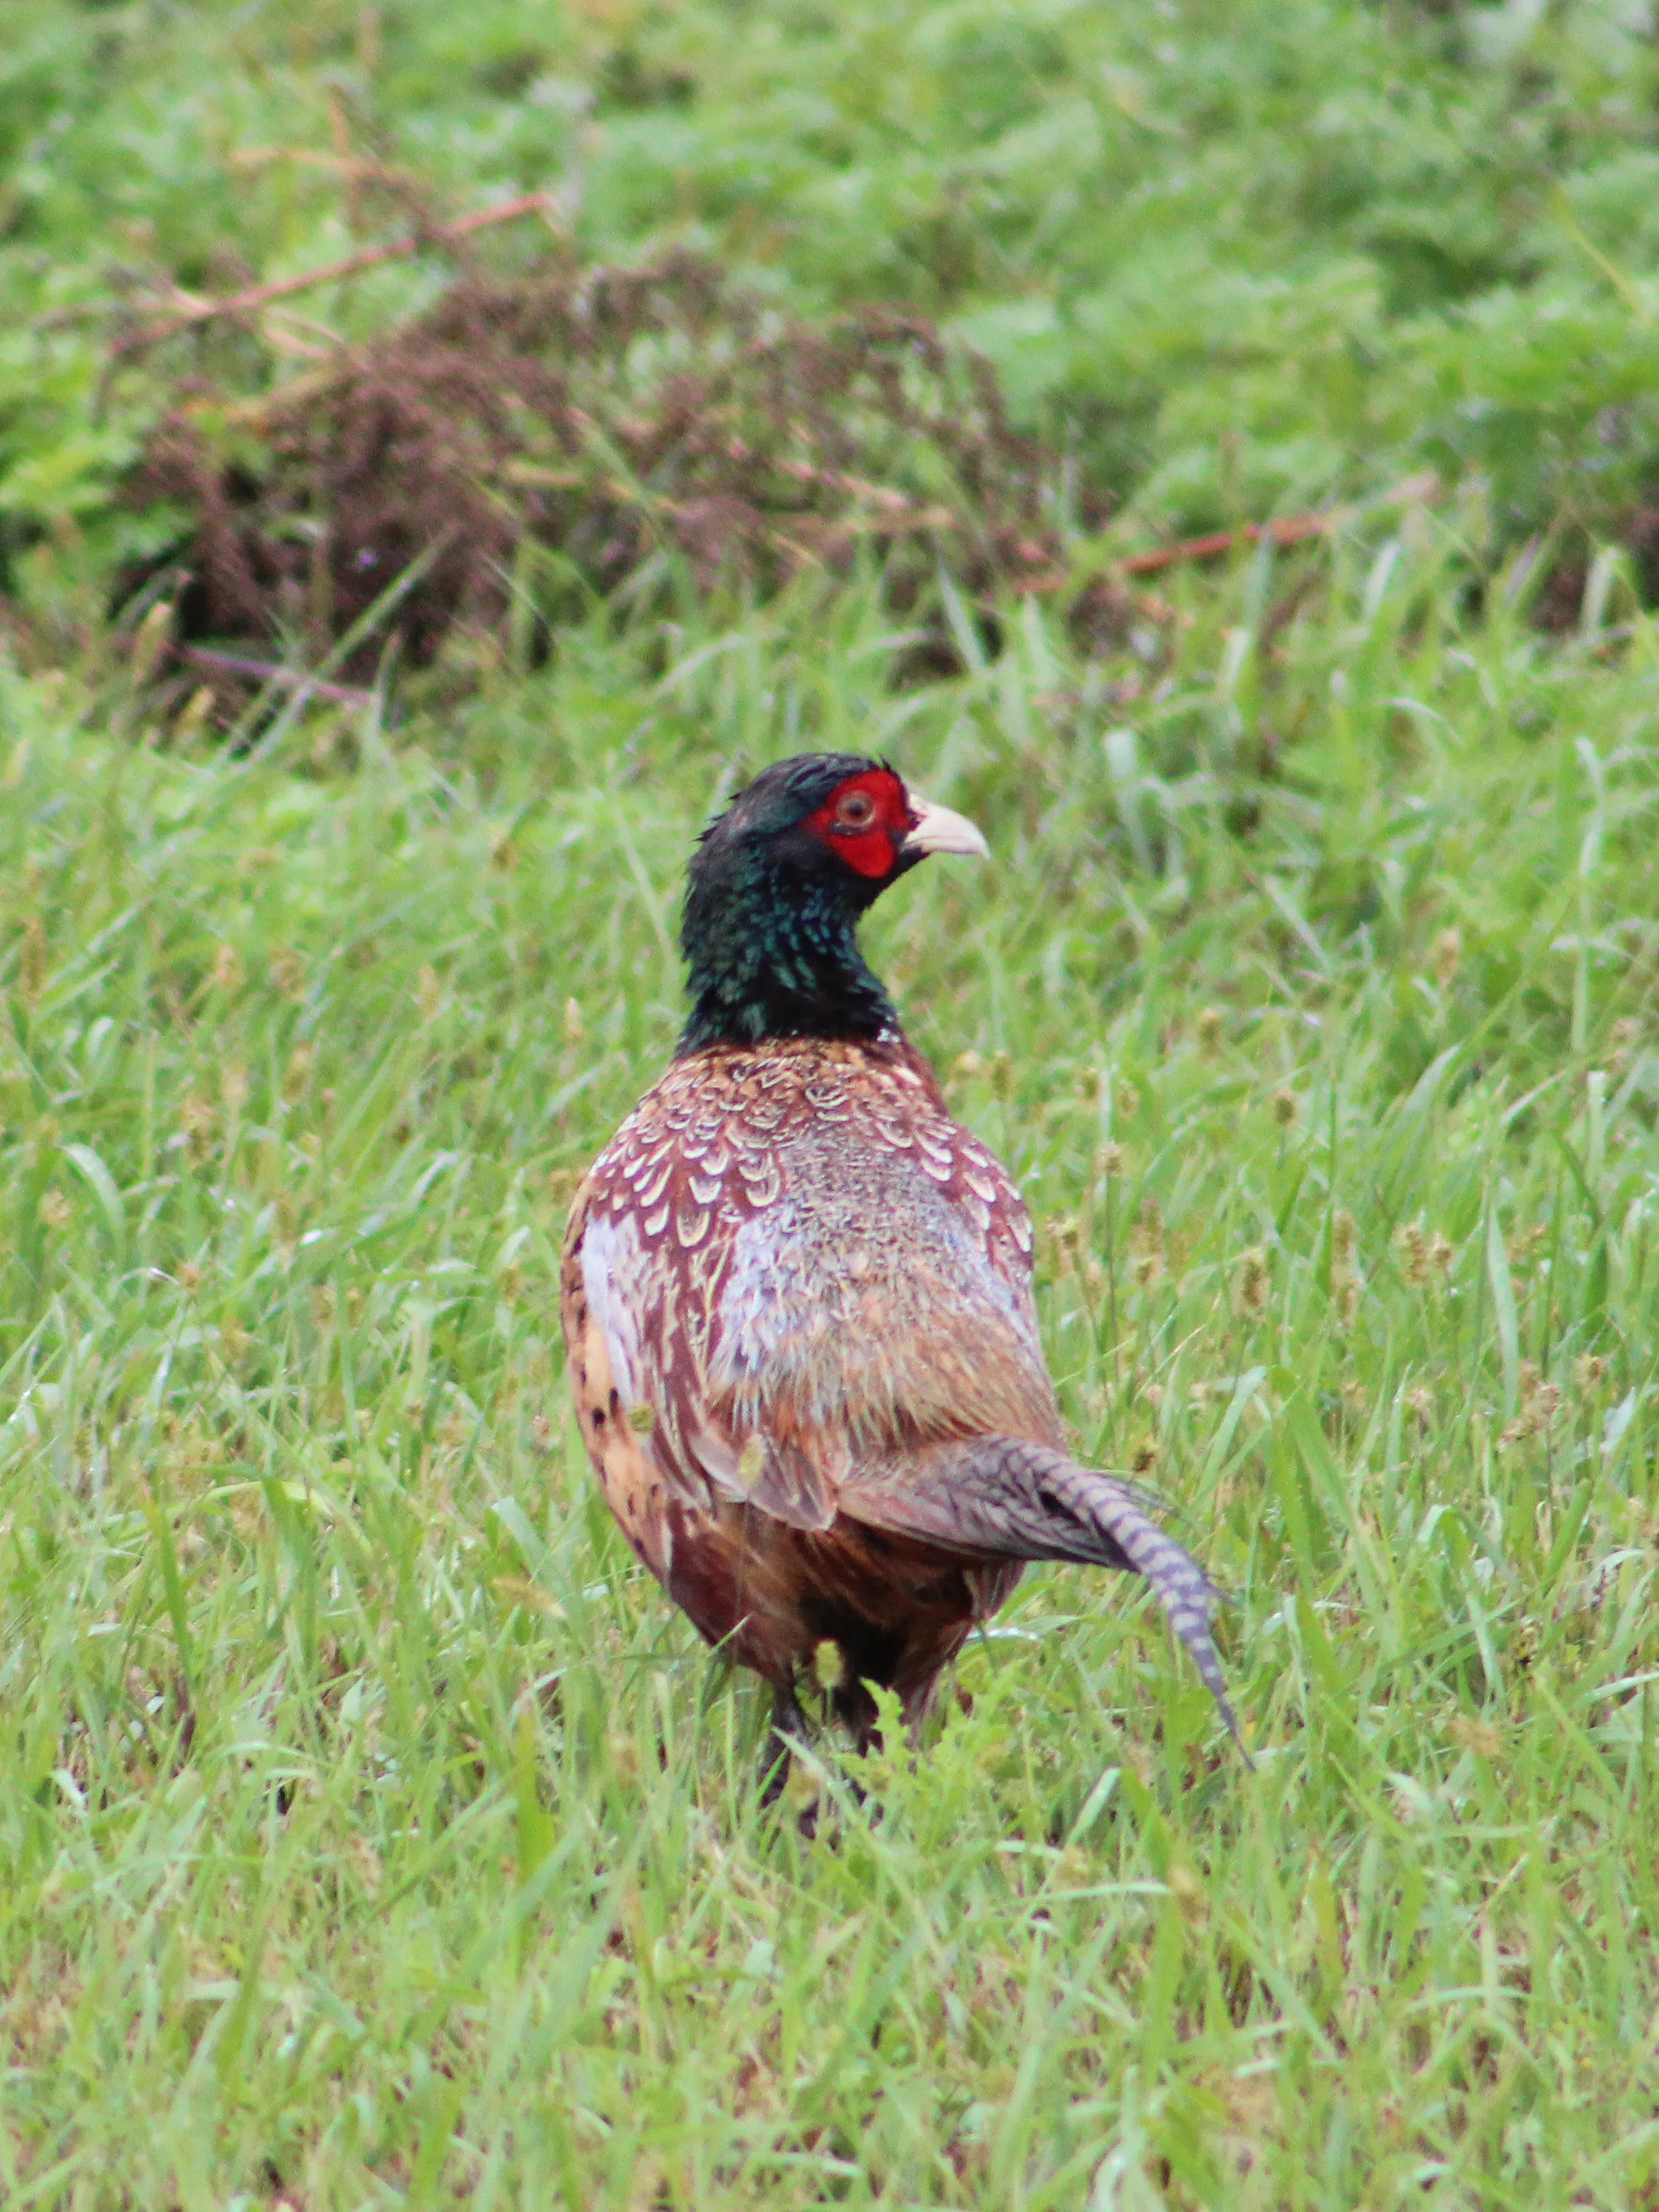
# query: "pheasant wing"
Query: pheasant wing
797,1263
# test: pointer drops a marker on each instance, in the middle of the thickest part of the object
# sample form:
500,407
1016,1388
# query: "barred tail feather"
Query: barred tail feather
1181,1585
1014,1499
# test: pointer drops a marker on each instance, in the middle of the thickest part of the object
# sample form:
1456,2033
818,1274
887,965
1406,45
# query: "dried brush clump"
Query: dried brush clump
529,442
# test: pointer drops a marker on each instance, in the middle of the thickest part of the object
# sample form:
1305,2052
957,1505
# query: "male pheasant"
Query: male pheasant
797,1294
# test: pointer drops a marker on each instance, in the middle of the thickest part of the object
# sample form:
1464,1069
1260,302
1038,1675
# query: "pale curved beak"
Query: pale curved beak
939,831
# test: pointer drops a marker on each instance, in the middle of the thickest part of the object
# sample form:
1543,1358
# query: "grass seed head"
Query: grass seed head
197,1118
1253,1282
32,959
1445,956
1207,1028
297,1075
1539,1401
227,974
1187,1891
828,1666
150,643
1286,1111
192,718
288,972
1412,1240
1065,1239
1543,1396
1148,1246
1470,1734
54,1209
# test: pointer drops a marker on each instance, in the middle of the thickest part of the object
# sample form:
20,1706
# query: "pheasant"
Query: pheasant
797,1295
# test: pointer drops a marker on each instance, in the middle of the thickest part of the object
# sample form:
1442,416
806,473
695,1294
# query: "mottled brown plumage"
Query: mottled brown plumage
797,1293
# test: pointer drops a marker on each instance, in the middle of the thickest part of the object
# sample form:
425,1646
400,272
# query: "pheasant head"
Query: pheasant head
776,889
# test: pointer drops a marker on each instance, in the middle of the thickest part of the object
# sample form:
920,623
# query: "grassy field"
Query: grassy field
371,1832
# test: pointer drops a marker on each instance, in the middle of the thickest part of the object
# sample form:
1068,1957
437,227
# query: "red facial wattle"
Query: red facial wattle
865,820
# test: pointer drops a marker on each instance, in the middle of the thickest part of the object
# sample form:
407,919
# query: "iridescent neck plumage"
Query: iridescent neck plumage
771,956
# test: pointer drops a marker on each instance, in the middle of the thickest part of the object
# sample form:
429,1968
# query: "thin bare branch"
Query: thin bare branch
1292,531
373,257
272,672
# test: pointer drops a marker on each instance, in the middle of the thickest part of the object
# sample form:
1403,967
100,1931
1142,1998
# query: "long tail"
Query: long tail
1012,1499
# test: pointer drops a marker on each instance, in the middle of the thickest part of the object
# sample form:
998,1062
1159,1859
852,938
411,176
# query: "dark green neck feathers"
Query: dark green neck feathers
770,925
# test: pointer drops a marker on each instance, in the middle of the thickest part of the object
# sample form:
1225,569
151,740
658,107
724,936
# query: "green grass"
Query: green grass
371,1831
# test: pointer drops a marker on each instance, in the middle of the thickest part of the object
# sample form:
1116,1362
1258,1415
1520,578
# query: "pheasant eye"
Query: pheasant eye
856,811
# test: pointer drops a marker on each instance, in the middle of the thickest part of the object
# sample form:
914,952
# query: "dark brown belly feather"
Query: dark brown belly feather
897,1608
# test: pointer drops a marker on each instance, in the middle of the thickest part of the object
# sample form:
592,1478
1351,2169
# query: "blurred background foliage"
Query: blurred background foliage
1229,257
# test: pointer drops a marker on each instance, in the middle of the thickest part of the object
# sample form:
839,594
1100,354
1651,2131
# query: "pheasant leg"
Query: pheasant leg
788,1720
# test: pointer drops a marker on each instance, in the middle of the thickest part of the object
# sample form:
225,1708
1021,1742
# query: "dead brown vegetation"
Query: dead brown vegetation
532,442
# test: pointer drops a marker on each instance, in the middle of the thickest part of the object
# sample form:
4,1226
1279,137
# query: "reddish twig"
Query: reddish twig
306,157
270,671
1291,531
284,288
